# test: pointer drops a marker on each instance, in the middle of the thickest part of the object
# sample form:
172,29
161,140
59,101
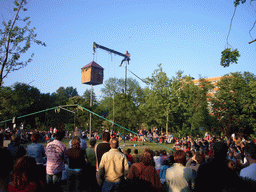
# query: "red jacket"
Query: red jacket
146,173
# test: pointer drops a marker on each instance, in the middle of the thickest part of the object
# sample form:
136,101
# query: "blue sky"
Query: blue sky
186,35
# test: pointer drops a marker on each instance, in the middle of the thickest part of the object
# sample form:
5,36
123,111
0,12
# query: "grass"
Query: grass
125,145
133,145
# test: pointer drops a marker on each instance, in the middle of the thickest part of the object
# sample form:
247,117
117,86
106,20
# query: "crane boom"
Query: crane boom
126,55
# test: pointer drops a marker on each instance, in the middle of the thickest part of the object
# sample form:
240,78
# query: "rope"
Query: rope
61,107
120,126
30,114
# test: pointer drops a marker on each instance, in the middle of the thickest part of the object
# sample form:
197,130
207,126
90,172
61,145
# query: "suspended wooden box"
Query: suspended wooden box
92,74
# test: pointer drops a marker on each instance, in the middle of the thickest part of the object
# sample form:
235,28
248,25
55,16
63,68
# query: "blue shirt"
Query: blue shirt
37,151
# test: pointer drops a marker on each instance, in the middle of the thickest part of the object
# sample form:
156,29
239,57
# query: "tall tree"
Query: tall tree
16,40
234,103
157,99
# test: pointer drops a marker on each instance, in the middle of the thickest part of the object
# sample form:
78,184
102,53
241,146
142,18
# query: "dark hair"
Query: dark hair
147,157
156,153
128,150
166,162
220,150
35,138
92,142
60,135
136,151
106,136
200,158
180,157
250,148
24,172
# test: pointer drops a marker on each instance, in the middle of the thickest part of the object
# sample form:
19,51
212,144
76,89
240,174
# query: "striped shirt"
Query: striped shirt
56,153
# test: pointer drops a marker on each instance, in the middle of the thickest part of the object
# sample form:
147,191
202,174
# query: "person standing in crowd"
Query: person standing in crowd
178,177
56,153
216,174
76,157
158,161
113,167
83,143
102,148
37,151
17,150
250,154
136,156
6,165
145,170
91,162
195,161
24,177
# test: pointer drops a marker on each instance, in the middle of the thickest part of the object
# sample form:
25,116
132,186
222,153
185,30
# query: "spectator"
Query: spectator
37,151
216,173
56,153
179,177
113,167
76,157
17,150
83,143
145,170
164,156
102,148
163,169
6,165
158,161
195,161
24,176
129,156
91,162
250,154
135,156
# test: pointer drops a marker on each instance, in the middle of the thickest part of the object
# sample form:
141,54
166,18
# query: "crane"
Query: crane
126,55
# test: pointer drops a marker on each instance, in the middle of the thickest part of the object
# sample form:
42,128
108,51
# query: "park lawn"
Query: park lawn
124,145
133,145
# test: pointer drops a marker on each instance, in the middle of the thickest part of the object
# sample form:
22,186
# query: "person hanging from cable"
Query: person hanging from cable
127,58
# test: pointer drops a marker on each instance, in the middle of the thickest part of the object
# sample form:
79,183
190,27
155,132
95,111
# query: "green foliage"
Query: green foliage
229,57
234,104
16,39
237,2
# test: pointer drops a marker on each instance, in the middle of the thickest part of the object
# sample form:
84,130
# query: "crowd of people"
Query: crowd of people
197,164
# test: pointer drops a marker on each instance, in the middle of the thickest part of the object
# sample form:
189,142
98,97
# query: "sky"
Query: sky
187,35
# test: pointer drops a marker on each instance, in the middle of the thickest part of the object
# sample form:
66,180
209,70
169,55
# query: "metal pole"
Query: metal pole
91,114
113,109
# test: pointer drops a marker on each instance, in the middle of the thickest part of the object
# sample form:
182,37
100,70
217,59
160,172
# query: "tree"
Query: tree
16,41
121,108
234,103
157,99
63,94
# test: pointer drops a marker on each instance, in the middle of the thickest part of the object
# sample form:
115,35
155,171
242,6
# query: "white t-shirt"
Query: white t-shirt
158,162
249,172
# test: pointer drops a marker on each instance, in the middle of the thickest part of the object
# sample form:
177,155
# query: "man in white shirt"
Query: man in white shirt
250,154
113,167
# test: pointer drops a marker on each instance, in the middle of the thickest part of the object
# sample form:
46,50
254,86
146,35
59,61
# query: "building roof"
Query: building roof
93,64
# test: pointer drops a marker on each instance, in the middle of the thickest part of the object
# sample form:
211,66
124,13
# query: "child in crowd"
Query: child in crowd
163,169
158,161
